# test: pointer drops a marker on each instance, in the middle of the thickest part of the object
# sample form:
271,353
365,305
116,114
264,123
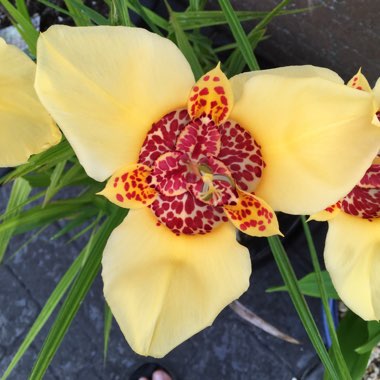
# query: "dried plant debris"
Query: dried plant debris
373,369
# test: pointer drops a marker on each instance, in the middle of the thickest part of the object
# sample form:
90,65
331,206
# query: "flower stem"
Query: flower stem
301,306
322,290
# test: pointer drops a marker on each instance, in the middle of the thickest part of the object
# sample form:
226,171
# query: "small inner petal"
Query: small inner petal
169,174
199,138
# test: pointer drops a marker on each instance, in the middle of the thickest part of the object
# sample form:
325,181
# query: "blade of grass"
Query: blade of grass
139,9
79,17
23,24
184,44
50,157
38,216
107,329
19,194
325,302
300,304
54,178
76,295
239,34
119,14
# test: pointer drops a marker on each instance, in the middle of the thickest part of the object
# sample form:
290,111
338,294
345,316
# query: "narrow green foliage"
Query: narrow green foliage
300,304
184,45
107,329
119,14
77,293
54,179
200,19
74,7
22,8
140,10
341,364
239,34
352,333
39,216
46,311
309,286
373,338
49,158
55,7
23,23
19,194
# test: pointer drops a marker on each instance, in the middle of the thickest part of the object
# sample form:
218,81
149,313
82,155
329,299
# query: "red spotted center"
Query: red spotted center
196,168
364,199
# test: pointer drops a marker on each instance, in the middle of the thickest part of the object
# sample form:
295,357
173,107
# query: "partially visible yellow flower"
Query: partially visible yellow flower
25,126
352,249
190,156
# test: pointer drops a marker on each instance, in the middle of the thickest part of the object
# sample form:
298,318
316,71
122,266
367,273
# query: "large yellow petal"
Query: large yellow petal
25,126
352,257
105,86
316,135
305,71
164,288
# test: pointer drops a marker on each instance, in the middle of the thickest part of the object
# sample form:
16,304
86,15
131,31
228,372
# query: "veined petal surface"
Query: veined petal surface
316,135
105,86
25,126
352,257
164,288
305,71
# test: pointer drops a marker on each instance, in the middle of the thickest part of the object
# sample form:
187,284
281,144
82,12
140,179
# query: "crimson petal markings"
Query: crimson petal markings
241,154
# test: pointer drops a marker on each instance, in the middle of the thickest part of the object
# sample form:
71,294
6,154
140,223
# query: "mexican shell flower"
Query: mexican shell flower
352,248
25,126
192,160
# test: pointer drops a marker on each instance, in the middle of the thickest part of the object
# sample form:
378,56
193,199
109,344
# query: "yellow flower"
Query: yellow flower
352,249
190,156
25,126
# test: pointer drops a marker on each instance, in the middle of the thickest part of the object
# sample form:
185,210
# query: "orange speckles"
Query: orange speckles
252,216
207,98
130,187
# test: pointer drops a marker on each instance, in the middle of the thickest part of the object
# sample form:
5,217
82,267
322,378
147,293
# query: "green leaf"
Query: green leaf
107,328
301,306
335,347
39,216
49,158
19,194
54,178
77,294
140,10
184,44
352,333
119,14
309,286
46,311
373,338
76,12
239,34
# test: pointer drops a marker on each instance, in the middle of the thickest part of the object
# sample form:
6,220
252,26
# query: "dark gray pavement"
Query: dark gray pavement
230,349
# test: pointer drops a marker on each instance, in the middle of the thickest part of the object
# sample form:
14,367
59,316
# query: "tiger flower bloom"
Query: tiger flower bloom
25,126
193,160
352,248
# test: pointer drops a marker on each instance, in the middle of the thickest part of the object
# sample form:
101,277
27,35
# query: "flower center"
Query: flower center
196,168
364,199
